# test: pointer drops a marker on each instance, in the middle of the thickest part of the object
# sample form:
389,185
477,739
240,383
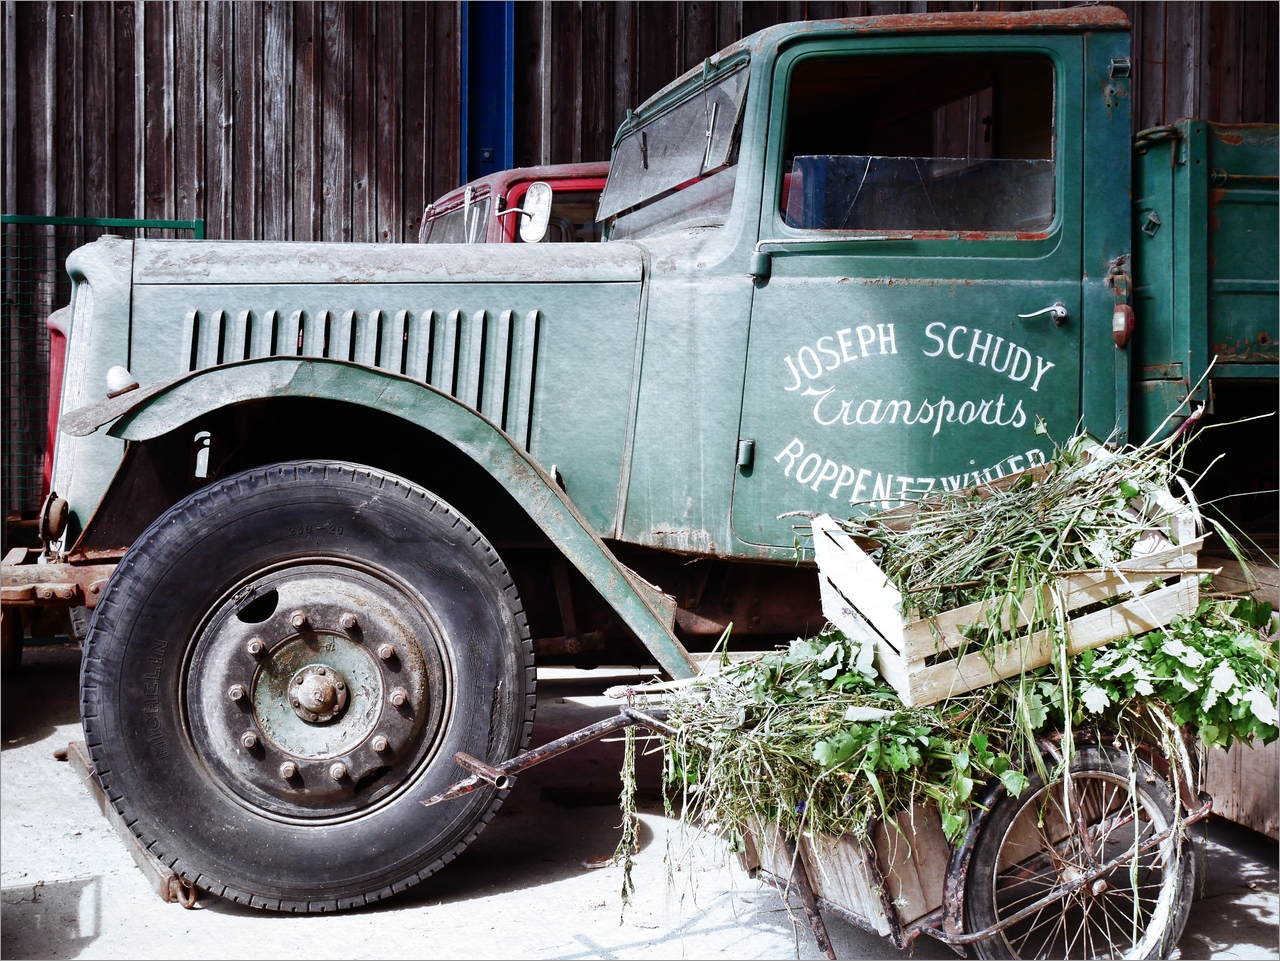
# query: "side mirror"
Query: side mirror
536,212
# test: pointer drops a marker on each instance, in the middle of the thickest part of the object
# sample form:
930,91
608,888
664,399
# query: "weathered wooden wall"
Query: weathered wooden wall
579,66
339,121
275,121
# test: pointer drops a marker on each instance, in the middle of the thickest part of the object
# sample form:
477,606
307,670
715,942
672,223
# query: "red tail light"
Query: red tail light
57,363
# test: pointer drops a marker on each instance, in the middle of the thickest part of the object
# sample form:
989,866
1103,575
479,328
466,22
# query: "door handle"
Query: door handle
1058,310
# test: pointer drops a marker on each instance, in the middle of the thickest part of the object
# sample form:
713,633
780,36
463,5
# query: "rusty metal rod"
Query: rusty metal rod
649,721
486,773
626,718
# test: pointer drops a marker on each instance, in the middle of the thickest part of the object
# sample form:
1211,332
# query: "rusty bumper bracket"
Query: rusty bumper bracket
28,584
502,776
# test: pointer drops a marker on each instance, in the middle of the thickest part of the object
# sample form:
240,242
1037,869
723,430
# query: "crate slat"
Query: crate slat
858,599
1077,590
928,684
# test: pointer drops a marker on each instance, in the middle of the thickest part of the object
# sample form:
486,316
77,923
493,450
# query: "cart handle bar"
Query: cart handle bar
502,776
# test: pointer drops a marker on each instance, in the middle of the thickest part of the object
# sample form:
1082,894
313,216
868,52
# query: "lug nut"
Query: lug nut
380,744
347,621
339,685
288,770
338,771
249,740
298,619
255,646
235,692
399,696
386,652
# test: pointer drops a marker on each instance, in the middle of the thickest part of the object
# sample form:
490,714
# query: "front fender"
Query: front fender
157,409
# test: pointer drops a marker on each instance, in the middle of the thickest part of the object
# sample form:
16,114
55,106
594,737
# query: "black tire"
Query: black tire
437,659
1087,923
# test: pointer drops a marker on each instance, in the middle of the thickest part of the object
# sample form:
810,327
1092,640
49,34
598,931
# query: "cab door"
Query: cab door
916,323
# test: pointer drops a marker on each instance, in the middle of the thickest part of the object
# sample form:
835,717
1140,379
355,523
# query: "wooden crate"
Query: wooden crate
911,852
918,656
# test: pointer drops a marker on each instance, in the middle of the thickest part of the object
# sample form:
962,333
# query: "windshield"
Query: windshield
572,220
462,225
694,139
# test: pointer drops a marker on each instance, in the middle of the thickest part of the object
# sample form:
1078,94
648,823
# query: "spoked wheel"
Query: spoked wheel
1052,837
284,666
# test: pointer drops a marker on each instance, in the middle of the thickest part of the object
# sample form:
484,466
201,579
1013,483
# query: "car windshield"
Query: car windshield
462,225
695,139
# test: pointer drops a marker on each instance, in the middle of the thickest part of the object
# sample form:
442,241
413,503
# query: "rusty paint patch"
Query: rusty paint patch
1237,134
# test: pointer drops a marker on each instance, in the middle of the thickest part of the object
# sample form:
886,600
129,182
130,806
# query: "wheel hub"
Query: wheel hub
317,694
345,682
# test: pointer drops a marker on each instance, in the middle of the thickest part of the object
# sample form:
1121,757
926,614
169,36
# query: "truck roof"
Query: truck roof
1064,19
500,182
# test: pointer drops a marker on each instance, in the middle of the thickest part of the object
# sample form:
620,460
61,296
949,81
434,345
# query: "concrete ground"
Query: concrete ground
529,887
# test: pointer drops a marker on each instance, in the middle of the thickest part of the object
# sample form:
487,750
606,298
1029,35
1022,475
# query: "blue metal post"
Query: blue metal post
488,86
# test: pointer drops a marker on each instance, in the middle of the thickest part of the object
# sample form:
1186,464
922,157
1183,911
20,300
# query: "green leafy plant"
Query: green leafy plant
1214,673
809,739
785,740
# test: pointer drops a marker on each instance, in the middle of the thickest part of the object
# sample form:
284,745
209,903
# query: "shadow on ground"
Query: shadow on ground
1234,915
40,696
50,919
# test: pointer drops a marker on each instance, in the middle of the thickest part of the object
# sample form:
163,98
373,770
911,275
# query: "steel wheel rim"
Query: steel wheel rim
394,666
1088,923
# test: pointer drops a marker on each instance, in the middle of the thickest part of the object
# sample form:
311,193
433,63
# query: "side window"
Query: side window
920,143
573,218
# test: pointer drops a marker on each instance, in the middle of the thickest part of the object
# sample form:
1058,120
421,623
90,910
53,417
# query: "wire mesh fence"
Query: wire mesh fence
33,284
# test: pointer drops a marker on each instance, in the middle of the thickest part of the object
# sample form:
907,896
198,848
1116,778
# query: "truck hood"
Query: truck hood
231,262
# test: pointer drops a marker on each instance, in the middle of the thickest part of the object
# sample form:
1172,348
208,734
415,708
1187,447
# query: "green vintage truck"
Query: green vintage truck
329,503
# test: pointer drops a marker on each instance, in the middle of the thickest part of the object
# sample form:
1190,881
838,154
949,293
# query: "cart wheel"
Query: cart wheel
1028,848
282,668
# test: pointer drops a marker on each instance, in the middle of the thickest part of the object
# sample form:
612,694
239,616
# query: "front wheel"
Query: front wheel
284,665
1035,845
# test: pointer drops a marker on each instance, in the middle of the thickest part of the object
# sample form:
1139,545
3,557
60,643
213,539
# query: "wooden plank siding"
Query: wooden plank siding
324,120
580,66
274,121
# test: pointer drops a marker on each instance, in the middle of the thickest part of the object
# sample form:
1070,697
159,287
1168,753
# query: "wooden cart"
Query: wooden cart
1026,881
1094,865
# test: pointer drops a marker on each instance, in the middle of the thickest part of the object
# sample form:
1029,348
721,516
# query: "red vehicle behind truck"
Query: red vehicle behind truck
485,211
